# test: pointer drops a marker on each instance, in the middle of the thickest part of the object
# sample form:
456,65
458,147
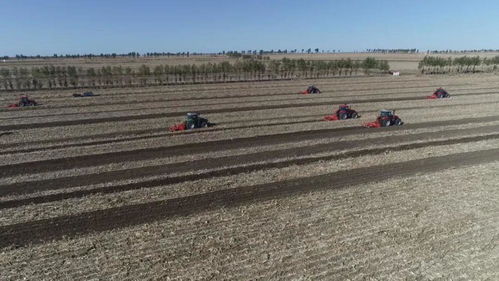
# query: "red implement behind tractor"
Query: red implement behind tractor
23,101
440,93
343,112
193,121
311,90
178,127
386,118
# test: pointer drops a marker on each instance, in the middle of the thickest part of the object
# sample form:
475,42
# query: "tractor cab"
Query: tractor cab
311,90
386,113
192,115
24,101
344,107
441,90
192,120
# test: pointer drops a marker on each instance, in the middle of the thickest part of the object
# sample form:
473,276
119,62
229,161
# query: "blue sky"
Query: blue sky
91,26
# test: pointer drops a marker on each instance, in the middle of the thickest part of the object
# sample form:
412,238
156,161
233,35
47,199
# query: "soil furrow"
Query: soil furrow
280,94
34,232
226,97
207,111
211,146
301,85
204,164
139,134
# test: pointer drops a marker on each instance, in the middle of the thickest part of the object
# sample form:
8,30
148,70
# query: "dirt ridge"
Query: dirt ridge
279,94
224,172
226,161
139,134
208,111
35,232
210,146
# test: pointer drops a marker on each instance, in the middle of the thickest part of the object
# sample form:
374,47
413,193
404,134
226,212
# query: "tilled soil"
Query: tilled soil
95,150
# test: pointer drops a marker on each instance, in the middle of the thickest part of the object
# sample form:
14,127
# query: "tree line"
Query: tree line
463,51
168,54
67,77
391,51
464,64
237,53
103,55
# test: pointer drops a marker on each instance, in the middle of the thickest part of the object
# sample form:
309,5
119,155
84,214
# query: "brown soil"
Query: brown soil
100,190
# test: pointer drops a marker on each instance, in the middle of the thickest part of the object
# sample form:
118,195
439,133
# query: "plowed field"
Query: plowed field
98,189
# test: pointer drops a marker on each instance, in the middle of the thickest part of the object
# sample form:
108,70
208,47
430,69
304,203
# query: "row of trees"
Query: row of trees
260,52
57,77
463,51
102,55
436,65
167,54
237,53
390,51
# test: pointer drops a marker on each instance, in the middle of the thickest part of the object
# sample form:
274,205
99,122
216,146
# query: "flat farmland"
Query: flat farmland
406,63
98,189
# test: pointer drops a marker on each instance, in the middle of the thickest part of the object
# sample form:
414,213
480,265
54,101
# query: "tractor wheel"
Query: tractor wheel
204,125
398,122
385,123
343,116
355,115
192,126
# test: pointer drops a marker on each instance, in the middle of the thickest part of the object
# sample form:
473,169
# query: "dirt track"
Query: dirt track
71,181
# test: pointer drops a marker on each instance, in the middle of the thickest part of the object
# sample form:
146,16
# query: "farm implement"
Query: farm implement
85,94
386,118
311,90
192,121
440,93
342,113
23,101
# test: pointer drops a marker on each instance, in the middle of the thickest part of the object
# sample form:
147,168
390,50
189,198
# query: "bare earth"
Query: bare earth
98,189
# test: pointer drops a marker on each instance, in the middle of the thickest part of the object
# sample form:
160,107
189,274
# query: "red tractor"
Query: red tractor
193,121
24,101
311,90
440,93
343,112
386,118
